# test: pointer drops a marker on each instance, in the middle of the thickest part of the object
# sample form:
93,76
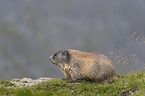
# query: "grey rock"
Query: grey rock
25,82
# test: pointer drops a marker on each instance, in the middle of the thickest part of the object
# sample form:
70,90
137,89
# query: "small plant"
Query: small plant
6,83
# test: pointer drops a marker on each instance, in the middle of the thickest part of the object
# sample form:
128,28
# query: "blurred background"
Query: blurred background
32,30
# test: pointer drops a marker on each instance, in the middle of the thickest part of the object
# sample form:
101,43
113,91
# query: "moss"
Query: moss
125,85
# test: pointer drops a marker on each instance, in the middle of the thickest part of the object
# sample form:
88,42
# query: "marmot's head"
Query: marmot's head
60,57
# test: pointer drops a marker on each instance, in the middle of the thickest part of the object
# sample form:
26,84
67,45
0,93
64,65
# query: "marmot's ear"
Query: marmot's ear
64,53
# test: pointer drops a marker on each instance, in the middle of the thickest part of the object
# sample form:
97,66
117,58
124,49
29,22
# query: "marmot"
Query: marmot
78,65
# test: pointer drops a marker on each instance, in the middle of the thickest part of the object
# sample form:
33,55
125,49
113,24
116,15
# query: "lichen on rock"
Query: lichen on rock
25,82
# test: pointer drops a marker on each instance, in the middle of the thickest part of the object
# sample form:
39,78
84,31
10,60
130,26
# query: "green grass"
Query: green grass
134,83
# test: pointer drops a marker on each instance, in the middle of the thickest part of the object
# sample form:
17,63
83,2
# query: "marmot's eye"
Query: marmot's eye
55,54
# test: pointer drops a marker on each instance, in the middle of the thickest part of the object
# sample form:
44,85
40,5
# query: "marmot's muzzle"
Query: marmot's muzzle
51,59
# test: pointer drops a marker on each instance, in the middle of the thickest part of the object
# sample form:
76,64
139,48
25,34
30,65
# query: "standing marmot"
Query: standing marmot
78,65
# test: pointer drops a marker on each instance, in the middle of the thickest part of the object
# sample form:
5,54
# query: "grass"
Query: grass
134,84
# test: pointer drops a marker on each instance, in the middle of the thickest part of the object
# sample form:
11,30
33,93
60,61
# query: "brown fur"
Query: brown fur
87,65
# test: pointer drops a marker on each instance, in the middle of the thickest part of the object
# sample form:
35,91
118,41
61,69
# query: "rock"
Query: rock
25,82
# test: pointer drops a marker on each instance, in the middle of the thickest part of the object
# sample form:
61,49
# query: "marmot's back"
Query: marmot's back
78,65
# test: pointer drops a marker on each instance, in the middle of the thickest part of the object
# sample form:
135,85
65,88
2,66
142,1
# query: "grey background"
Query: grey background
32,30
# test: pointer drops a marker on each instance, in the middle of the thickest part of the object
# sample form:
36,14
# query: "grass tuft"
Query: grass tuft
125,85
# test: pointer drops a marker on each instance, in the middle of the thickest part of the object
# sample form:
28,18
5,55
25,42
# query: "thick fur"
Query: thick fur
78,65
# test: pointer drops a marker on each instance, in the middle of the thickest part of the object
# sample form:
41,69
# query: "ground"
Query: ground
131,84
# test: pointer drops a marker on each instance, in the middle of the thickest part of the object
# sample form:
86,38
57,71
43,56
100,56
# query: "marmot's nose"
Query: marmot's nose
50,57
